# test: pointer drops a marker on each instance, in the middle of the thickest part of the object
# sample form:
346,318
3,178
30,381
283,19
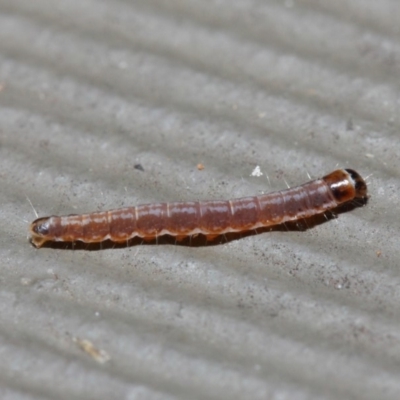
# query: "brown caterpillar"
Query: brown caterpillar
211,218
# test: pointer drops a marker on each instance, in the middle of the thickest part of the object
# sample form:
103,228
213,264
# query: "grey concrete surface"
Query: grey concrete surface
89,89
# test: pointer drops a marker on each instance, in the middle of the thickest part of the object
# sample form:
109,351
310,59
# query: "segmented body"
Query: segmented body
210,218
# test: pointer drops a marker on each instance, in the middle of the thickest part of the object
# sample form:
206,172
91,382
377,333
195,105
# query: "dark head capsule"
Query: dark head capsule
346,185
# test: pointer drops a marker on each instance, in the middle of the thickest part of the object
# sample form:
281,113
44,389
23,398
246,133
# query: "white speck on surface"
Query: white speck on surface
257,171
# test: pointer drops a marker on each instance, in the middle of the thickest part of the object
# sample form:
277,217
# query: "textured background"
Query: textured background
89,89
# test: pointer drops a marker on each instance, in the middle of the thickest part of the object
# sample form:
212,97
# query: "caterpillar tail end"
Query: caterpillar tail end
39,230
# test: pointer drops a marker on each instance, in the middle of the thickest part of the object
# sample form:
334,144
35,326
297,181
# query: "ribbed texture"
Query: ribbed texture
94,91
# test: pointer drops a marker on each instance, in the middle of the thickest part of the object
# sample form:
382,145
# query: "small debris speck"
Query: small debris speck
139,167
88,347
256,171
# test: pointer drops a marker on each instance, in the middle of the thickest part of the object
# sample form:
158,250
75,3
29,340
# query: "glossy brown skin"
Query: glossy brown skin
210,218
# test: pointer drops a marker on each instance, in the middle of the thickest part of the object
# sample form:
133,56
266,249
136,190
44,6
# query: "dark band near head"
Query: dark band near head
359,183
